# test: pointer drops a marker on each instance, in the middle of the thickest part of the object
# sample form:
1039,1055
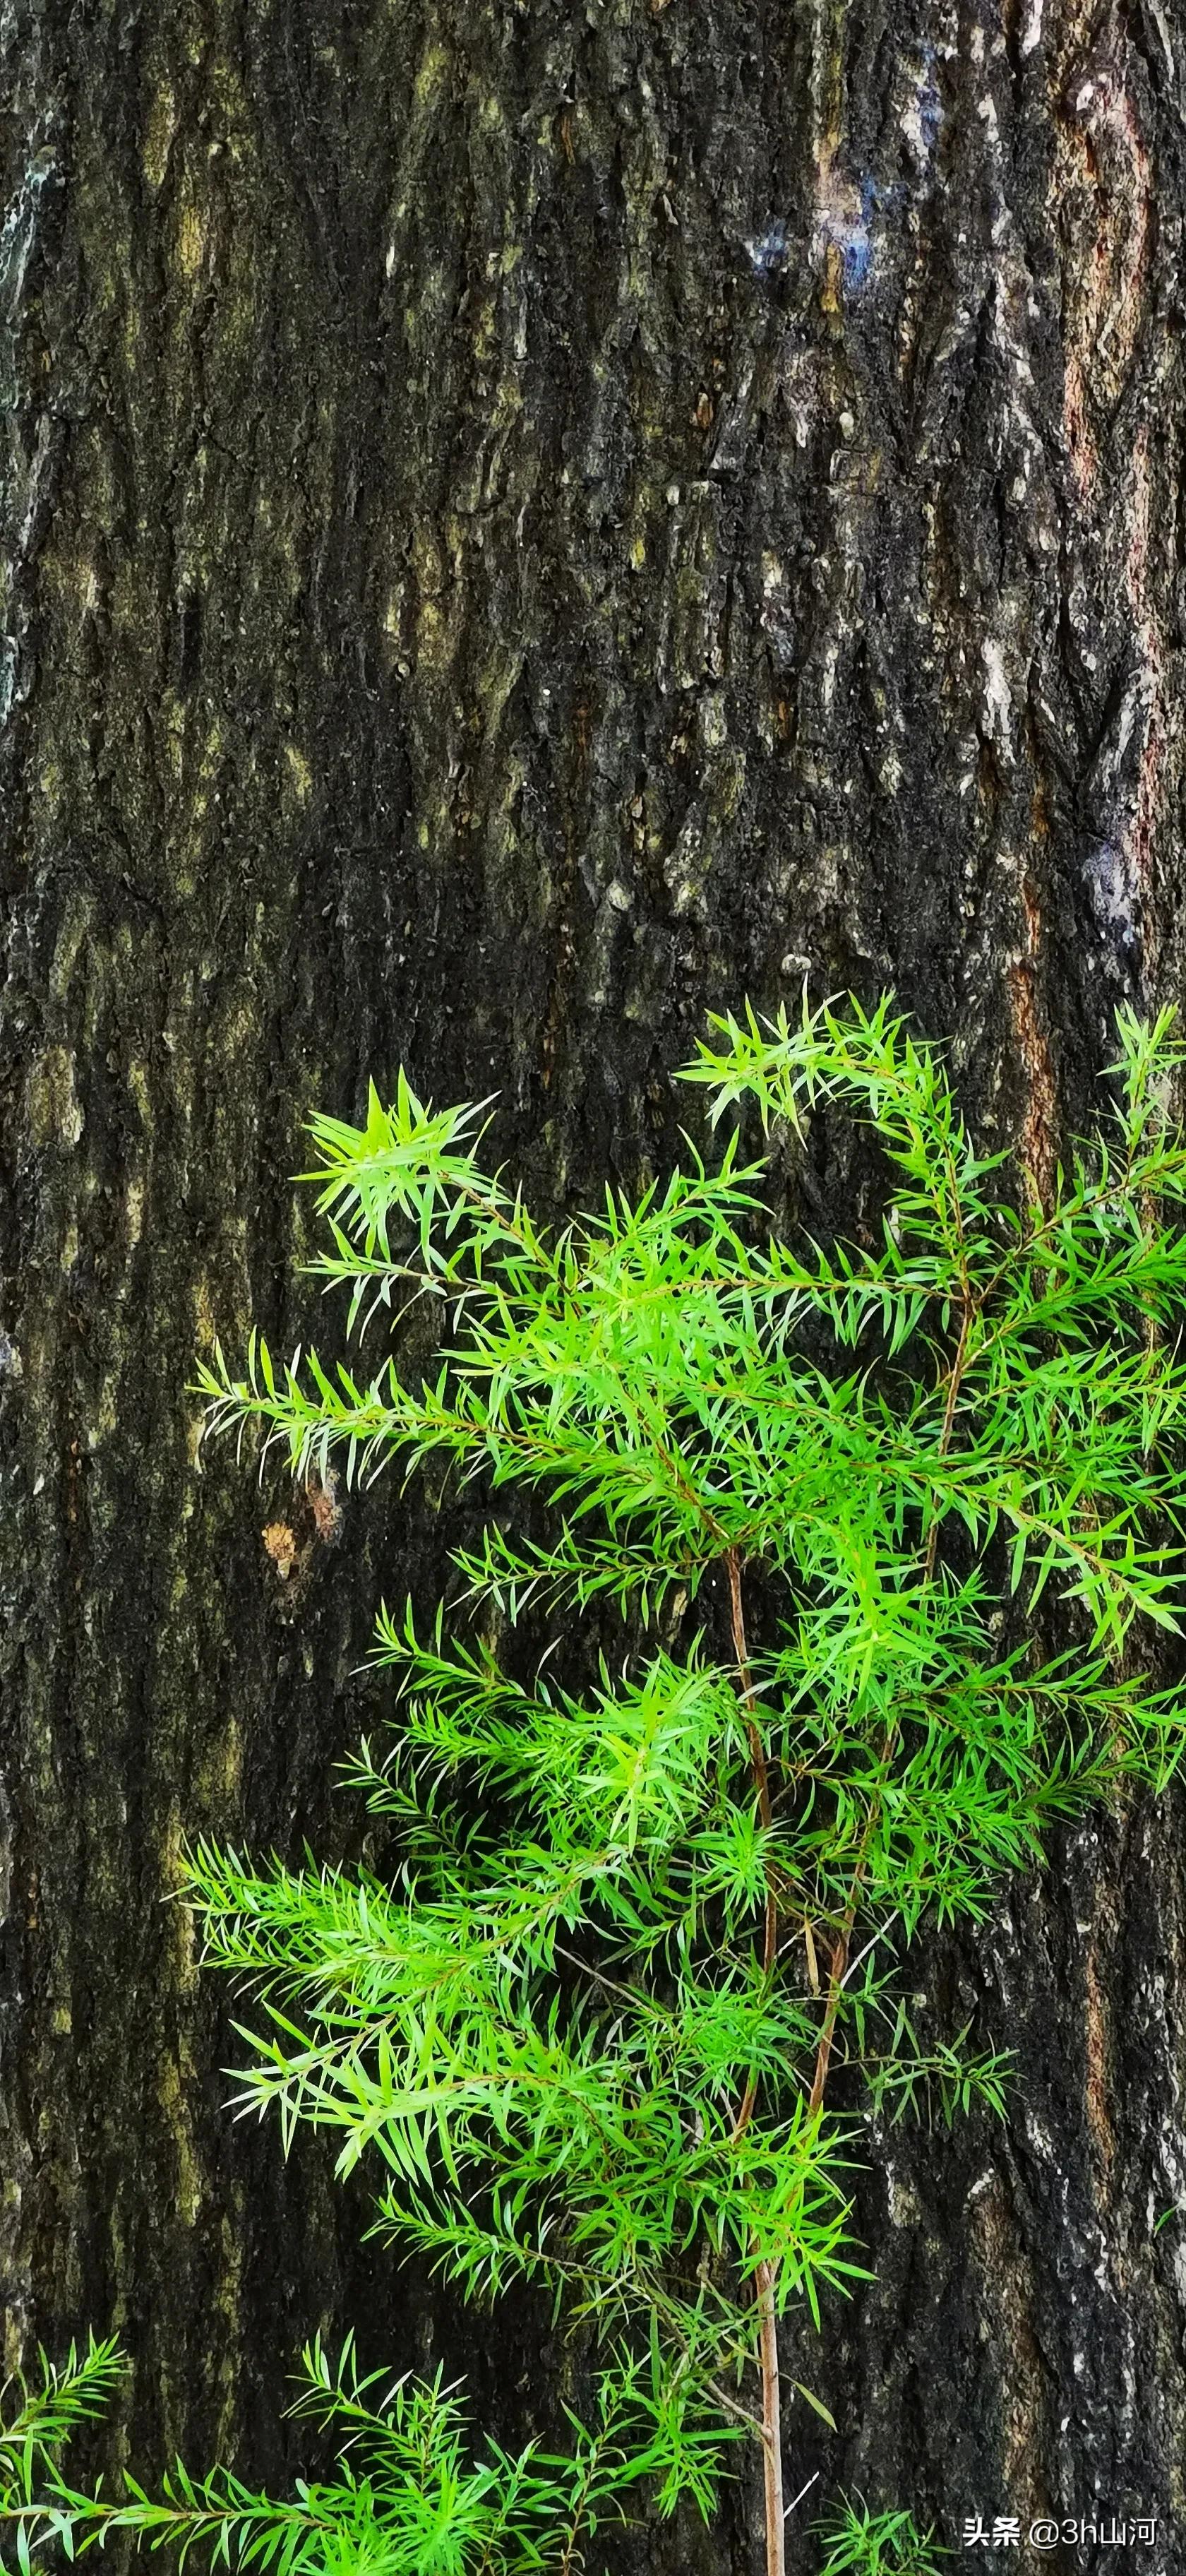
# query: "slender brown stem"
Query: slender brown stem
743,2413
766,2276
953,1387
757,1750
761,1781
771,2424
836,1973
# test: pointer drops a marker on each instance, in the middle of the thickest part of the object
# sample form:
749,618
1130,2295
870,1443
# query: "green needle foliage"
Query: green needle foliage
860,2543
645,1920
405,2499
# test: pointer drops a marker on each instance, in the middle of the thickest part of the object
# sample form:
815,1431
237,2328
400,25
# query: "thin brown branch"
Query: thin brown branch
839,1962
744,2414
954,1383
771,2423
761,1780
766,2276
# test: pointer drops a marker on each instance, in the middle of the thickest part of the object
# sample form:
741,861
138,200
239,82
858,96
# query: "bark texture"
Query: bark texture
526,520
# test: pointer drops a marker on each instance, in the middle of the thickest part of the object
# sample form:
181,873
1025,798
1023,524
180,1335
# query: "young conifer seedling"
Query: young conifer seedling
647,1911
407,2498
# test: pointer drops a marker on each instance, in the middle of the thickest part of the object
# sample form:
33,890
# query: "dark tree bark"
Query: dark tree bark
525,522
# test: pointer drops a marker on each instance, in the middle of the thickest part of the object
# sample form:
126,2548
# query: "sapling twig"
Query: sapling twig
909,1442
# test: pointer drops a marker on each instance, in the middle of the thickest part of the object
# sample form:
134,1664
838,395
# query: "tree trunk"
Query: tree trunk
525,523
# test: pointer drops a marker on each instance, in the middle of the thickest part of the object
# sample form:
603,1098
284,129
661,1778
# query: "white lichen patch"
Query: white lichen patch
998,696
